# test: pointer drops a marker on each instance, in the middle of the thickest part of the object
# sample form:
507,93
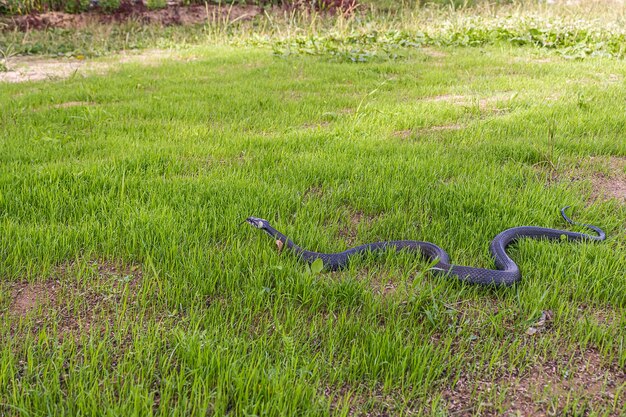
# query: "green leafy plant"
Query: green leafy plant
5,54
76,6
316,266
156,4
109,5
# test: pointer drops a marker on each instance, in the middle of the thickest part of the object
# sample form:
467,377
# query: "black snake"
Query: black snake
507,271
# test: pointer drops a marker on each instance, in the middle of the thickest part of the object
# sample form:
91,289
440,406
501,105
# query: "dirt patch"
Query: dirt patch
385,283
536,59
596,79
433,53
387,288
469,310
27,297
483,103
553,97
403,134
543,60
606,175
580,381
76,299
349,229
481,315
319,125
409,133
614,78
443,128
315,192
137,12
72,104
382,281
22,69
604,316
453,98
364,401
610,184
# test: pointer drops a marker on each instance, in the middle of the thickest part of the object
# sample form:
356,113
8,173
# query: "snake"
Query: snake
506,273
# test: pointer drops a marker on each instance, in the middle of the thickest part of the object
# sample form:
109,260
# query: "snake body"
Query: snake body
507,271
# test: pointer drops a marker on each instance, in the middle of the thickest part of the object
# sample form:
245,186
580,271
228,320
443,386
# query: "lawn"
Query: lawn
130,286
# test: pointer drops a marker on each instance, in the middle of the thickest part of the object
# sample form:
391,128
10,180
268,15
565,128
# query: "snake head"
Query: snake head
257,222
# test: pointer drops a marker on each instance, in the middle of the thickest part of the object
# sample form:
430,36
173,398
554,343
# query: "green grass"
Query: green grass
160,165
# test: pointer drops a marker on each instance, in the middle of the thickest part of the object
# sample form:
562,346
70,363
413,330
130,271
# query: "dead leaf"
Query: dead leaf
280,245
546,317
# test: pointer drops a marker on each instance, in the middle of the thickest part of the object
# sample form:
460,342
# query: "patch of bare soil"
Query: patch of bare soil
415,133
596,79
537,59
72,104
611,184
349,231
607,175
29,297
403,134
21,69
314,192
582,382
73,306
473,311
176,15
386,287
363,401
481,315
381,280
443,128
453,98
315,126
24,68
483,103
605,316
433,53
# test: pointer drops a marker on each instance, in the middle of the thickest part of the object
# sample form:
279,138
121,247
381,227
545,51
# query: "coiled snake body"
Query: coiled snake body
507,271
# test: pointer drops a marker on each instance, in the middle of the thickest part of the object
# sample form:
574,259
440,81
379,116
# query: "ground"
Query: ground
189,15
130,284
